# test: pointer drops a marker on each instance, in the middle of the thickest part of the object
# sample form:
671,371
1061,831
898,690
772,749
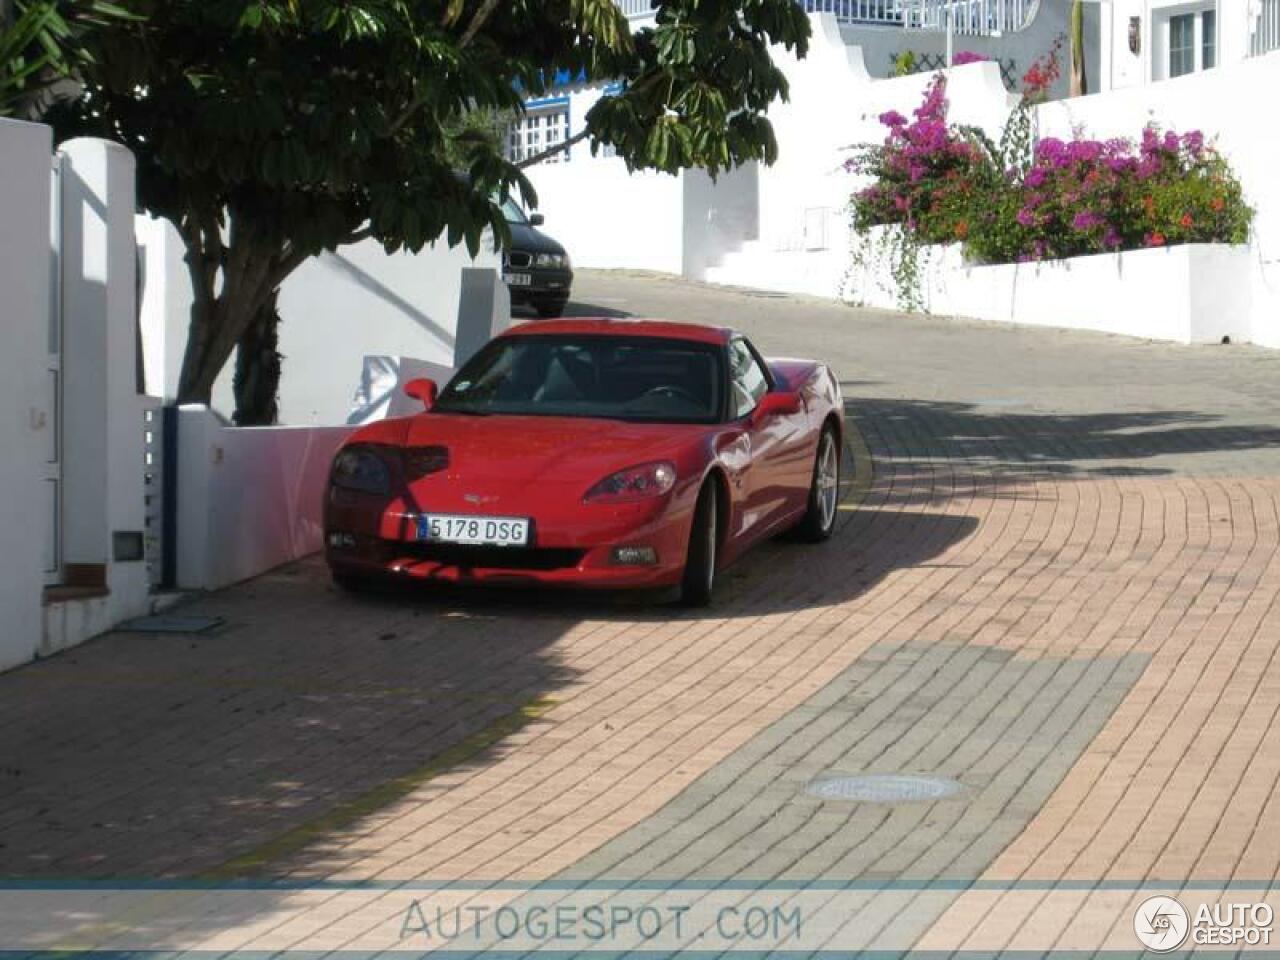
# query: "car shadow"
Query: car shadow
574,308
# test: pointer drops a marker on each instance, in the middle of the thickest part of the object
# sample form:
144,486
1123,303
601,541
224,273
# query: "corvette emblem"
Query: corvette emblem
477,498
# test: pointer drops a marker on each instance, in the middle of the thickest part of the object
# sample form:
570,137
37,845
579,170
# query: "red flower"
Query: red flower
1155,240
1186,221
962,229
1217,203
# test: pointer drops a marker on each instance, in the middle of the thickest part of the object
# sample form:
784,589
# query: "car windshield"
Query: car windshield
511,210
643,379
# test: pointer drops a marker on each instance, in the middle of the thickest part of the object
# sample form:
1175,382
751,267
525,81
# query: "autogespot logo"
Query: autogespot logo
1161,923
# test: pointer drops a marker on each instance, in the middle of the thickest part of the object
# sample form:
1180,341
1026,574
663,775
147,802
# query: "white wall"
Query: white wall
880,45
1224,104
1121,67
249,497
1189,293
335,310
607,218
26,430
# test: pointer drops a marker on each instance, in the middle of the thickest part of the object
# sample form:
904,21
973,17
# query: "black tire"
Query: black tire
699,580
548,309
819,521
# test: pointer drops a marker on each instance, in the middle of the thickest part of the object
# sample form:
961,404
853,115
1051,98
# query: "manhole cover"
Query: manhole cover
884,788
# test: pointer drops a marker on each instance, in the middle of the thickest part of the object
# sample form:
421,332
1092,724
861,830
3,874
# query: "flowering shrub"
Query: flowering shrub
942,184
922,175
1043,73
967,56
1090,196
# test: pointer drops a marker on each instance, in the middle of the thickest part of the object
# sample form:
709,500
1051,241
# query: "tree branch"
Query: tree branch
554,149
483,14
477,21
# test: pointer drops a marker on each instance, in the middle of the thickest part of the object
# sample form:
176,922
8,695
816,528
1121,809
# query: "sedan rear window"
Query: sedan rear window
621,378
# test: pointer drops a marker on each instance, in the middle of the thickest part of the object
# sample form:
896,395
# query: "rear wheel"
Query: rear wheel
824,491
699,578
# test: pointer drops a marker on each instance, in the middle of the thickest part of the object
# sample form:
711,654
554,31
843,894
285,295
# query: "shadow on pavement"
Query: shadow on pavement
1003,448
160,756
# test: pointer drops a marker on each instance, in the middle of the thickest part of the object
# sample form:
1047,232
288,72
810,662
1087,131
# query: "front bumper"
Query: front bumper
572,554
545,286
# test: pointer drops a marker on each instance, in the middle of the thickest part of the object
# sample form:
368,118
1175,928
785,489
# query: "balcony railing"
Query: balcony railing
967,16
1265,35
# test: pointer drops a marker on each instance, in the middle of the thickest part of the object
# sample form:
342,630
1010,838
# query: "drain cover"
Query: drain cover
884,788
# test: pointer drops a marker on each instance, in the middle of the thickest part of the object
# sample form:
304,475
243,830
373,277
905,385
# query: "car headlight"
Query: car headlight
635,483
360,468
557,260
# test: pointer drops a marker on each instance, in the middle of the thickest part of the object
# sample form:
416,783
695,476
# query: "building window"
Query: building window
538,130
1191,42
1182,44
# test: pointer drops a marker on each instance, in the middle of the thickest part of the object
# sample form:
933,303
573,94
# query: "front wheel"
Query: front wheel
824,491
700,563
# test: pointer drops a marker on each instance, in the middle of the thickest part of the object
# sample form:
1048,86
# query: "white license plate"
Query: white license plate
518,279
459,528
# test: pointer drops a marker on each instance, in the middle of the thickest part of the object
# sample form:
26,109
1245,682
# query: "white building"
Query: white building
1191,64
1146,41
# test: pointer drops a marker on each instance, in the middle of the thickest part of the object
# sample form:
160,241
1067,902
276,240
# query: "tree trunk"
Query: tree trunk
250,273
257,377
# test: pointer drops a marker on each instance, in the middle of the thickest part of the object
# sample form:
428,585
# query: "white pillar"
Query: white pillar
26,428
484,311
102,406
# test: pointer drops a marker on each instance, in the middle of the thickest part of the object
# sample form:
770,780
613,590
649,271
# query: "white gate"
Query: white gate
53,385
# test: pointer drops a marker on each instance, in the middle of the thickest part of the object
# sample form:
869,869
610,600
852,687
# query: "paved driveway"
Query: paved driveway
1058,589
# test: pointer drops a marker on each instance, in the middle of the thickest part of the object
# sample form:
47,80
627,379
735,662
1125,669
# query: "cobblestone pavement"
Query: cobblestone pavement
1059,589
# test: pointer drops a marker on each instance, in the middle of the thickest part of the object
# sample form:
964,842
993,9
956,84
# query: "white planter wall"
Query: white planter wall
249,498
1194,293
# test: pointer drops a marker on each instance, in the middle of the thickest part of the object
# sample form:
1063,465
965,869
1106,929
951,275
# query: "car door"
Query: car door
768,492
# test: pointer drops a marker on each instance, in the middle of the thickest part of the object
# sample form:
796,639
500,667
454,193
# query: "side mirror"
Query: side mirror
775,404
536,219
423,390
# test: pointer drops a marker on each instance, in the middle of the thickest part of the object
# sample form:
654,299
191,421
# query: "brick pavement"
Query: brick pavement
1060,590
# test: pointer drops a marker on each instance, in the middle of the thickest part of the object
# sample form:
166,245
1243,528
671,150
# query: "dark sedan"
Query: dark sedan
535,267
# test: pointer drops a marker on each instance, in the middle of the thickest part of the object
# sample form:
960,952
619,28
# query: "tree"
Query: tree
268,131
40,50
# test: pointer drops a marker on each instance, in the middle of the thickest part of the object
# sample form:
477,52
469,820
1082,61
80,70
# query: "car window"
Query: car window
625,378
747,380
511,210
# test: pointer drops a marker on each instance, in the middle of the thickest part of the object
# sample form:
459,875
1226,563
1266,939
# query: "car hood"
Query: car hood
532,240
514,451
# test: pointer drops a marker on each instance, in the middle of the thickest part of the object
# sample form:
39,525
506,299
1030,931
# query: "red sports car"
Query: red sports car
592,453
